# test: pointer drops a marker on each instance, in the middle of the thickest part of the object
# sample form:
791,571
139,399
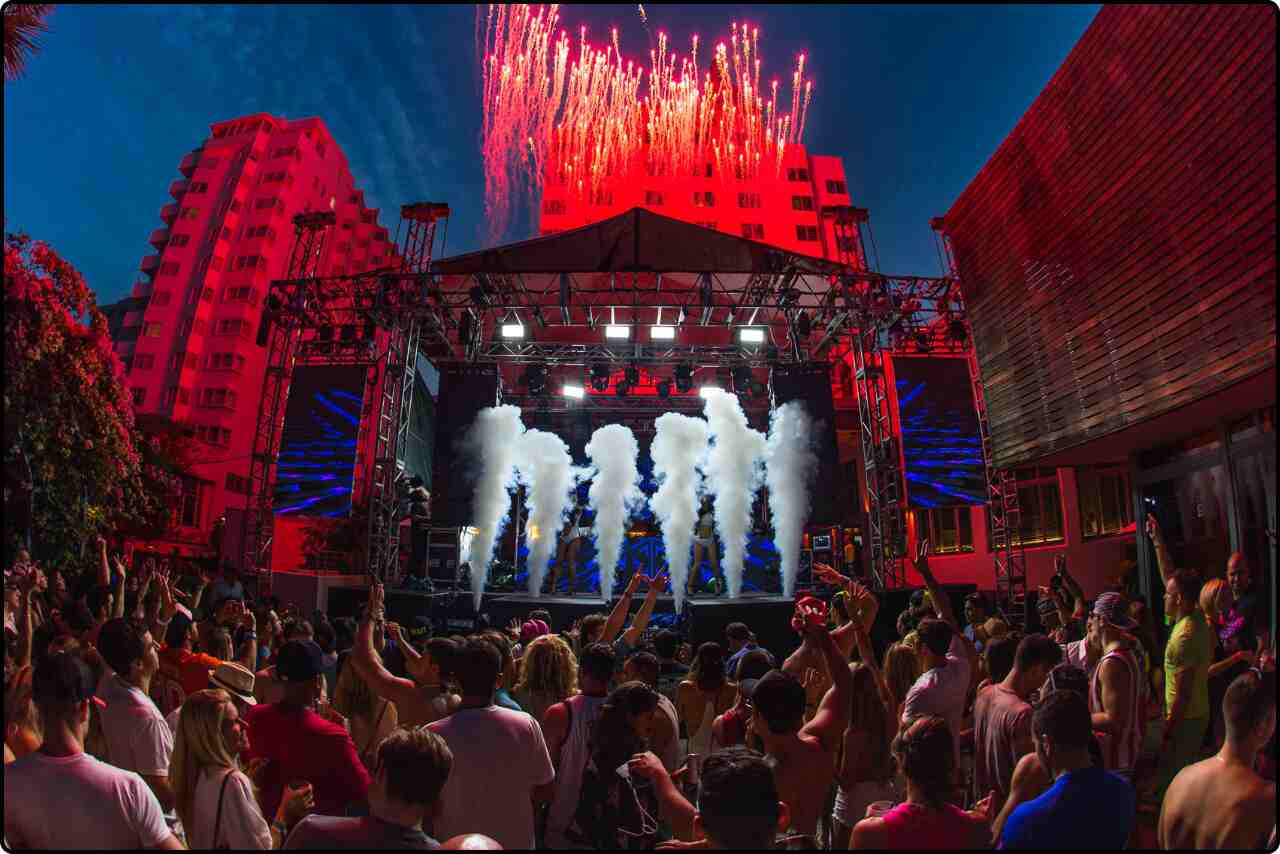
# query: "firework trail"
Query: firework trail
549,114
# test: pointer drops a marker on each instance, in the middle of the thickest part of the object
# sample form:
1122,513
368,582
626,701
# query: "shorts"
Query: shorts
702,541
851,806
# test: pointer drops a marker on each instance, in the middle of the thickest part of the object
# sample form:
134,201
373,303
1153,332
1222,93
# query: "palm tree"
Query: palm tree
22,23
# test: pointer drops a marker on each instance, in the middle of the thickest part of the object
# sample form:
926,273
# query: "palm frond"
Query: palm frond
23,22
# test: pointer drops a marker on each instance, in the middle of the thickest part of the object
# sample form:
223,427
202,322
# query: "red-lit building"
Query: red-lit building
187,334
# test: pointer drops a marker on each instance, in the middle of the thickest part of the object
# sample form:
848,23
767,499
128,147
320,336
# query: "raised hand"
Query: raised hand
1153,529
830,575
647,766
984,809
921,559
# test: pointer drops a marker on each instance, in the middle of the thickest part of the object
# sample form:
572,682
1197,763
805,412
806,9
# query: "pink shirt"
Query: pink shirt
909,826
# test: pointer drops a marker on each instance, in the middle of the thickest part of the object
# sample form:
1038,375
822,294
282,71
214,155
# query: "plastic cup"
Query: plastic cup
879,808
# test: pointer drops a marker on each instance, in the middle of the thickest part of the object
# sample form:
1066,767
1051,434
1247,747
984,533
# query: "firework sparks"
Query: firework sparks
584,120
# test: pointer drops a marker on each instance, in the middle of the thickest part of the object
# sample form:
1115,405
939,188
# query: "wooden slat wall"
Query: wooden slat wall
1118,252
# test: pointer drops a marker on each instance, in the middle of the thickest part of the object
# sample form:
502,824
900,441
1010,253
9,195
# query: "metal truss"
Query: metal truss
1004,515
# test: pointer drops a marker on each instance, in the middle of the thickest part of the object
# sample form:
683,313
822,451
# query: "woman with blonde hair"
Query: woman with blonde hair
215,799
371,718
901,669
548,675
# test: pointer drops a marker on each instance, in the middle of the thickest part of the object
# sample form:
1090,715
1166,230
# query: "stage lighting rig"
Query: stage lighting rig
684,377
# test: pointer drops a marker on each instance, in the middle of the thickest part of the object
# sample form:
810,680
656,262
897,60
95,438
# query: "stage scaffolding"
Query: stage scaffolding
708,284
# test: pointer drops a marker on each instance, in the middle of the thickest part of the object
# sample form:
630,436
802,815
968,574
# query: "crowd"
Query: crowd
144,709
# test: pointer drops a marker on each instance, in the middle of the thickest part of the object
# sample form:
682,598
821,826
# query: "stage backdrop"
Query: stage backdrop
318,446
941,447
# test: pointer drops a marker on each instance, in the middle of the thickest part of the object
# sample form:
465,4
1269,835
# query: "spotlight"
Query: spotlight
577,392
662,333
617,333
512,330
633,375
664,389
750,335
684,377
705,391
922,341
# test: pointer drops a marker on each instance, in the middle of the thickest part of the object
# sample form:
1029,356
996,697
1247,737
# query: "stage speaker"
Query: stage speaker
465,389
810,383
770,619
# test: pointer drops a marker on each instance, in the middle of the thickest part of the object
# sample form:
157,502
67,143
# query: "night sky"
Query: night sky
915,99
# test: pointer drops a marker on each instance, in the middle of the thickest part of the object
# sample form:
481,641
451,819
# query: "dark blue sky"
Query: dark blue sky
914,98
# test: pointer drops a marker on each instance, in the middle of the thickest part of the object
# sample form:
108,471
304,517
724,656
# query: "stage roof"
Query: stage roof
636,241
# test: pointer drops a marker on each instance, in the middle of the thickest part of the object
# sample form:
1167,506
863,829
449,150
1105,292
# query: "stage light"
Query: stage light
750,335
684,377
577,392
705,391
512,330
664,389
617,332
662,333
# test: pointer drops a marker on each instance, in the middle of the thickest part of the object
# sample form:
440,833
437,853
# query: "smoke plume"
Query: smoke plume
733,475
493,442
790,465
547,470
678,448
615,488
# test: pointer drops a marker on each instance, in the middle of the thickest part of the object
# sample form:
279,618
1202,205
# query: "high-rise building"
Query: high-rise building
188,332
783,209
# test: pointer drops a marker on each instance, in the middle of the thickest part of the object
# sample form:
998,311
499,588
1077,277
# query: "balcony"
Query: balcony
178,188
159,238
188,164
150,264
169,213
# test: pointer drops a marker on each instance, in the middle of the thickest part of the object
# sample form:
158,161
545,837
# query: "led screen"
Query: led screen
941,447
318,446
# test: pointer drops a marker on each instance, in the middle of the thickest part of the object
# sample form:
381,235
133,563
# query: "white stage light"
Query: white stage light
512,330
574,391
662,333
705,391
751,335
617,332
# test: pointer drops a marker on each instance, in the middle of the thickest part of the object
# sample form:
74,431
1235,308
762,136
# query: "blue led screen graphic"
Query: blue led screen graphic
941,447
318,446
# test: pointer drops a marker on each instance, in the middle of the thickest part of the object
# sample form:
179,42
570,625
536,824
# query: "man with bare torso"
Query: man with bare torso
1220,802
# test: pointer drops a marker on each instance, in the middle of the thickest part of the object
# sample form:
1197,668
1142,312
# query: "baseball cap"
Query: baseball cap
234,679
299,661
1113,609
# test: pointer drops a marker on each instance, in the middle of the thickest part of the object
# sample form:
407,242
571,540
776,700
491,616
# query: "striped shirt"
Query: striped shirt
1120,749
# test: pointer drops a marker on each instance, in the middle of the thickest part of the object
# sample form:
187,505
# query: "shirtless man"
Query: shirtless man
1220,802
418,701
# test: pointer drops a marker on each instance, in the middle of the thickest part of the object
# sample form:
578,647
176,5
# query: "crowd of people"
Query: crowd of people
148,709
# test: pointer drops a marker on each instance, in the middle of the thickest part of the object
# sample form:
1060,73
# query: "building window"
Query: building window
800,174
187,512
261,204
139,396
169,268
218,398
160,298
601,197
705,199
948,529
550,206
709,170
208,162
1105,505
235,206
807,233
753,230
151,330
198,187
802,203
216,262
242,294
236,483
653,197
207,294
170,395
229,327
213,435
748,200
837,187
1040,507
846,243
143,362
180,240
189,213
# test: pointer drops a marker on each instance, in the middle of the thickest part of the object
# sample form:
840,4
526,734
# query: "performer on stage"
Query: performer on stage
572,537
704,539
420,522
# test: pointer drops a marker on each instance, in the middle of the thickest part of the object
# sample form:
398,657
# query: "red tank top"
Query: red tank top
910,826
734,727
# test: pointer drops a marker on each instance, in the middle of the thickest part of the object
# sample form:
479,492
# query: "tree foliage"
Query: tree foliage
23,22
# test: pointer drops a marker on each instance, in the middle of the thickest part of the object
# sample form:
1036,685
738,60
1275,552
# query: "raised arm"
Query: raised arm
832,718
104,568
369,665
1074,589
673,807
26,629
632,635
618,615
117,590
941,602
1163,560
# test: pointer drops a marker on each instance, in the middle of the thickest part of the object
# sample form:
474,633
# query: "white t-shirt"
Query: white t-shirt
78,802
1077,653
499,756
138,737
941,690
243,825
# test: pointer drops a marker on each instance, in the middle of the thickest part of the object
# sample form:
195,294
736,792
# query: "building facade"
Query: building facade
188,334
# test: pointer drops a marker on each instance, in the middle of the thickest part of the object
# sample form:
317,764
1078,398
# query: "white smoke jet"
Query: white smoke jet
492,442
732,475
790,465
547,470
678,448
615,489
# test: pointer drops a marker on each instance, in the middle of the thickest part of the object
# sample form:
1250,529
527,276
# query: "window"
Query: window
708,170
748,200
207,293
151,330
845,243
218,398
242,294
139,396
653,197
189,213
800,174
369,217
601,197
180,240
213,435
320,148
187,511
198,187
235,206
226,362
160,298
208,162
184,396
143,362
949,529
1040,506
230,327
1105,503
263,231
169,268
550,206
808,233
753,230
283,152
836,187
362,244
170,395
236,483
176,360
802,203
705,199
250,262
262,204
216,262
